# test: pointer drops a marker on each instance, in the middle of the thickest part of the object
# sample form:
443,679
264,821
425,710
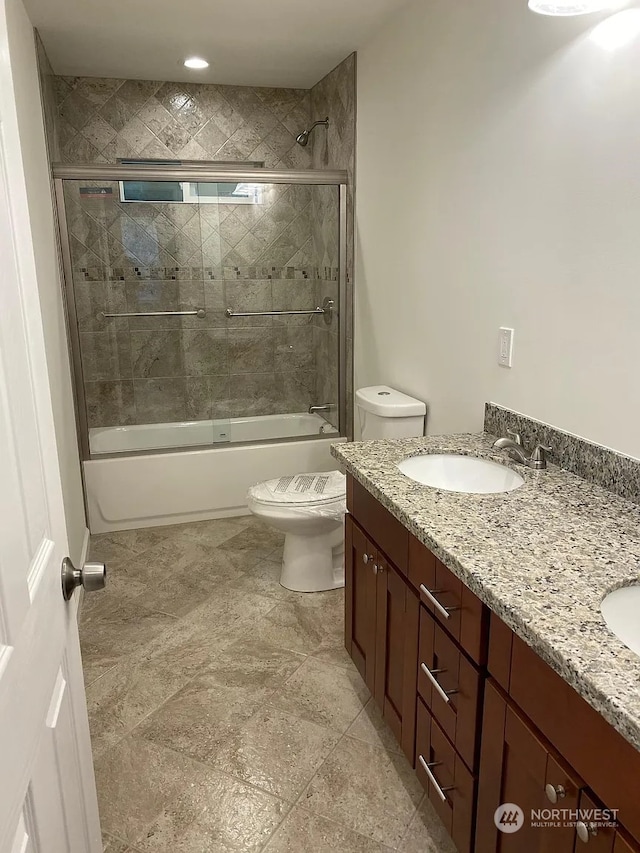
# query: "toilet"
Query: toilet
309,508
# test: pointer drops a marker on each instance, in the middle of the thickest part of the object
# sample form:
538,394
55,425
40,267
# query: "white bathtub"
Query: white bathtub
152,489
126,439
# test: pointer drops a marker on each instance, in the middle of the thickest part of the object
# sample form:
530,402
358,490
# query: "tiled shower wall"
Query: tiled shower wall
166,257
252,257
334,148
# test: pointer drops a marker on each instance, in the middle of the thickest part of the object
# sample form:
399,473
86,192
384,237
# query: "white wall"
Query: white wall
32,141
499,184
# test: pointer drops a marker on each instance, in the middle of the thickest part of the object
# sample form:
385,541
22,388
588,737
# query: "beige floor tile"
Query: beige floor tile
426,833
193,637
125,695
200,718
113,845
136,780
93,671
111,633
304,832
298,626
370,790
258,669
277,752
336,654
133,540
212,533
192,642
263,577
370,727
323,694
217,813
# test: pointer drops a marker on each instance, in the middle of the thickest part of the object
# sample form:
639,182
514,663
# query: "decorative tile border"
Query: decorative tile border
250,273
613,471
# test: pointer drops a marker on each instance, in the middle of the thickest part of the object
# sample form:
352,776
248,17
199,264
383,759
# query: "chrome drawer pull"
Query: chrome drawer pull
427,769
445,611
431,675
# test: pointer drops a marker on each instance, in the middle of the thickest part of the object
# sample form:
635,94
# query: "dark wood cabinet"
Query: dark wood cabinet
396,653
381,631
448,783
451,687
516,766
482,718
360,601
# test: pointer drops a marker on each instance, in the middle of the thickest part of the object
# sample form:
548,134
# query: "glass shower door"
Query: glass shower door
206,312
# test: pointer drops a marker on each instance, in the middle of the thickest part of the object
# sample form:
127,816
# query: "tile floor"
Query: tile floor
226,715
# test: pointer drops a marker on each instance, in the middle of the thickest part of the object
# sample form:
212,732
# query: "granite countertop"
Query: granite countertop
541,557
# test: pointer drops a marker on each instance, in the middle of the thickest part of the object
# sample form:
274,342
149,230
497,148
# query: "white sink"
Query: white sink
621,611
455,473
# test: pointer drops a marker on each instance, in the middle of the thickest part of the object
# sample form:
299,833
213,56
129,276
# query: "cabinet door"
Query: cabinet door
398,609
621,845
590,838
516,766
360,601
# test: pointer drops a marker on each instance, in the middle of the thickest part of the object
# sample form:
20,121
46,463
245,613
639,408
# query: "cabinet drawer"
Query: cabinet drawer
391,536
451,788
454,605
457,708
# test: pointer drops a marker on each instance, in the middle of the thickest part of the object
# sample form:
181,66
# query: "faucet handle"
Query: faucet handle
539,456
515,436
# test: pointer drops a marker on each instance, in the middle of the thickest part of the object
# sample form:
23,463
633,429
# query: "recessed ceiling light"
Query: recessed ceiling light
568,7
196,62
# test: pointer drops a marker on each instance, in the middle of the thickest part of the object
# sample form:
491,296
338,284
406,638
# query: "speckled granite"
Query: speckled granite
542,557
614,471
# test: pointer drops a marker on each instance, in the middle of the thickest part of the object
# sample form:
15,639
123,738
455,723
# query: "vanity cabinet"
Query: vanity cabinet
517,765
381,631
481,717
537,731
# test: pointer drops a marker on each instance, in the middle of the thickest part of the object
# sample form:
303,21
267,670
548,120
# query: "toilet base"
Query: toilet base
313,563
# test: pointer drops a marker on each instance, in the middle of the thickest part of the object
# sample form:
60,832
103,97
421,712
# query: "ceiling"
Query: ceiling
248,42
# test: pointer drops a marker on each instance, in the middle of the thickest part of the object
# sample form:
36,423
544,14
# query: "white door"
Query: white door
47,788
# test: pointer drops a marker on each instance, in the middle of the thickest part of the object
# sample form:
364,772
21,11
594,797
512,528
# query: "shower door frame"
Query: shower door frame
209,172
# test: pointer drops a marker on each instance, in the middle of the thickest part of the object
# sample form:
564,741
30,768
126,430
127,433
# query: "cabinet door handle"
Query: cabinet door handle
445,611
427,769
367,558
431,675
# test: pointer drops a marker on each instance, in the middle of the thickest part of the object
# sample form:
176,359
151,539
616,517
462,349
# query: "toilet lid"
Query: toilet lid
301,489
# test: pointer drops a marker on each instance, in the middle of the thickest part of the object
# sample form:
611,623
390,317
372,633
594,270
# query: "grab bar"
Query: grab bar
231,313
200,313
326,308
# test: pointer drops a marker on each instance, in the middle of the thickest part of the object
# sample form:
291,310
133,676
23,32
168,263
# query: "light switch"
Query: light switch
505,352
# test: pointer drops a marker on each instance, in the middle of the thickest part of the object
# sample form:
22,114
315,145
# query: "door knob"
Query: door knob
92,576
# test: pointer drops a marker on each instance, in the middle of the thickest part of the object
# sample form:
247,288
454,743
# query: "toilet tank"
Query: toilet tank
384,412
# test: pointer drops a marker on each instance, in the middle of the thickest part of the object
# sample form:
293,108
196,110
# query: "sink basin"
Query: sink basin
621,611
455,473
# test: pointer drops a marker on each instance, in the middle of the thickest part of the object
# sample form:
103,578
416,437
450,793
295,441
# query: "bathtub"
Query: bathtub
127,439
124,492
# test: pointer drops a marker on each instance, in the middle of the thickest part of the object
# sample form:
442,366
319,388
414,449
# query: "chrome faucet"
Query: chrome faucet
513,444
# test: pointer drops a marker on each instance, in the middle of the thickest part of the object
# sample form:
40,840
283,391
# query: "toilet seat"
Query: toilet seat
302,491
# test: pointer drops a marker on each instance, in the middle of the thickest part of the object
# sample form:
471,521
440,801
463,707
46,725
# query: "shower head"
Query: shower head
303,138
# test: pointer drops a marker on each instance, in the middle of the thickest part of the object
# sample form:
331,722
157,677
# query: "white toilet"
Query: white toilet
310,508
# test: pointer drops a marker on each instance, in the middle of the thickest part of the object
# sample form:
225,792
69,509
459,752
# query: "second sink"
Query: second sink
456,473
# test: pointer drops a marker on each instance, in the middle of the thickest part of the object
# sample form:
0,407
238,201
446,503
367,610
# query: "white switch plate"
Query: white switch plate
505,351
